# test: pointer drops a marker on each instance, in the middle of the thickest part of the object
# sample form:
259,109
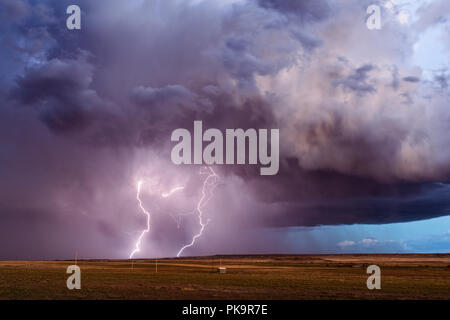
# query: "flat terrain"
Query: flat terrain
412,276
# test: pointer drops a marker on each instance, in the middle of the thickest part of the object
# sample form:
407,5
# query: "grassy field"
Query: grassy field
247,277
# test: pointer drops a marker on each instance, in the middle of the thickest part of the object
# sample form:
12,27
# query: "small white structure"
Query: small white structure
222,270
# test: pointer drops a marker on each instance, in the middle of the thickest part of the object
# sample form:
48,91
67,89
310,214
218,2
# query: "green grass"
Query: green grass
247,277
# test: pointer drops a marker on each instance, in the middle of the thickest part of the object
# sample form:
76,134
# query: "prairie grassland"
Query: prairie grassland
248,277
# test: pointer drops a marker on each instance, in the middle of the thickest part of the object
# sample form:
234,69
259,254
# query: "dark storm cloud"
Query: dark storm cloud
172,94
431,202
14,9
357,81
87,113
442,80
307,10
308,41
60,90
411,79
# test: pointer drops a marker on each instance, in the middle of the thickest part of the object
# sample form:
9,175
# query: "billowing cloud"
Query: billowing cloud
88,113
346,243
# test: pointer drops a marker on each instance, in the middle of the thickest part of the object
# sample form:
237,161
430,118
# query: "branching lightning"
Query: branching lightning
141,206
208,185
138,243
168,194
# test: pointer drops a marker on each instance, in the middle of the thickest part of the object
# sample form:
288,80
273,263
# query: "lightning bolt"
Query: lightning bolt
141,206
208,184
168,194
210,181
138,243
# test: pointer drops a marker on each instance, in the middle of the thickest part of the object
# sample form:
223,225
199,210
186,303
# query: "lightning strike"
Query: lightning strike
141,206
208,184
138,243
168,194
210,181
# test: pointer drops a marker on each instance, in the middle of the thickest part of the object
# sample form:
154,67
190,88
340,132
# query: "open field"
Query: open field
412,276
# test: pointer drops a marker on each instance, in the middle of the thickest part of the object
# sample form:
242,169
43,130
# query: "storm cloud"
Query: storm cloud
87,113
